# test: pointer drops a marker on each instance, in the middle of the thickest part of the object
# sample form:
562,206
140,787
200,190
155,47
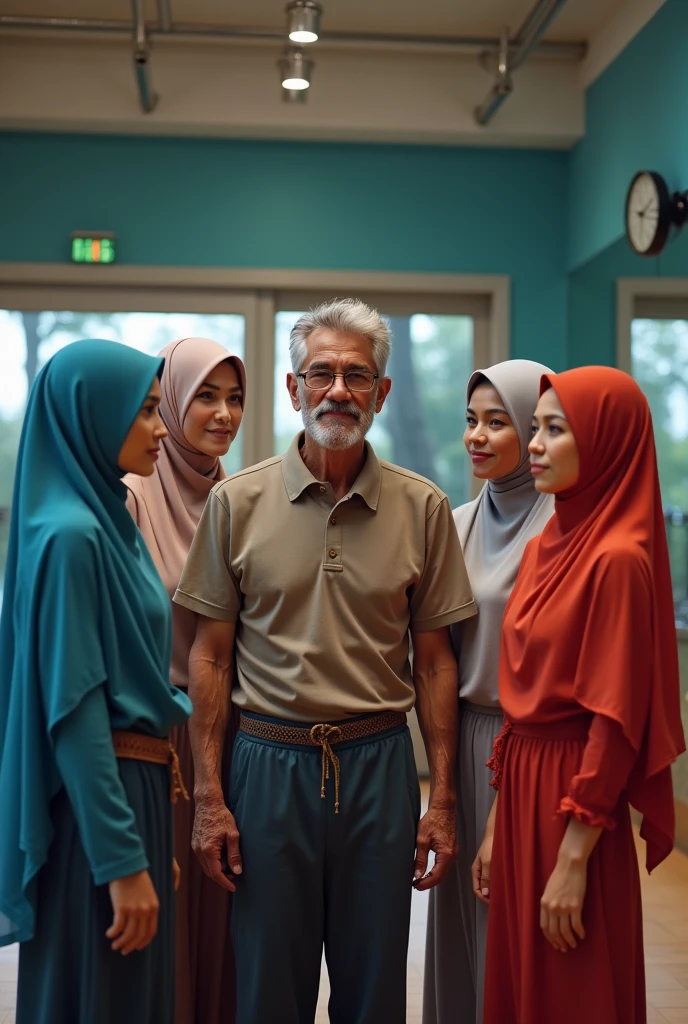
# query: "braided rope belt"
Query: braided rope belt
136,746
324,735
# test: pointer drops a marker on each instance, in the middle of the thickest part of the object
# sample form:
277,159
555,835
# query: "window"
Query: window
30,338
659,359
422,422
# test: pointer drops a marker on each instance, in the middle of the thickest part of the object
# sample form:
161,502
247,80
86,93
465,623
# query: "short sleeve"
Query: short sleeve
207,585
443,594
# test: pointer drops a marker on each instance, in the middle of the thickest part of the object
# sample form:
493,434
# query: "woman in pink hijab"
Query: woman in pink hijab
203,390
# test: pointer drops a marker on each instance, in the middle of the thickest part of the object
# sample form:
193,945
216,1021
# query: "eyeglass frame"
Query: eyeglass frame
354,391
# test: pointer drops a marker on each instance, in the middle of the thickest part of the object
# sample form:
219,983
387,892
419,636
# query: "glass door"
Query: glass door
30,337
659,362
433,354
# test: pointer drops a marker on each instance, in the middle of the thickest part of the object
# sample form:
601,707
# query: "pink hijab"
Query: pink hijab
168,504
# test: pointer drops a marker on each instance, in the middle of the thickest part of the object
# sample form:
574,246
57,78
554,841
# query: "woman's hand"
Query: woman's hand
481,866
561,906
135,905
176,874
480,869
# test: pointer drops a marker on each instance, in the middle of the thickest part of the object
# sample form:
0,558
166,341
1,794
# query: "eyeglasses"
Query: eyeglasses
354,380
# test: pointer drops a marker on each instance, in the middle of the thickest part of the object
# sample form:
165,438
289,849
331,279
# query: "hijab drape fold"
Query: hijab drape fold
494,529
78,591
168,504
596,575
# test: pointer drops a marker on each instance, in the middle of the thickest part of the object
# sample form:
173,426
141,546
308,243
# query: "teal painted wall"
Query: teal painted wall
203,202
552,221
635,120
591,326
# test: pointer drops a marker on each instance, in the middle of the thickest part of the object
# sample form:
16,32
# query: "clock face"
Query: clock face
648,213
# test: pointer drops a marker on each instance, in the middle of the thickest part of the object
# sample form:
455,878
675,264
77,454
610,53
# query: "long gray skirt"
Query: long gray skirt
457,921
68,974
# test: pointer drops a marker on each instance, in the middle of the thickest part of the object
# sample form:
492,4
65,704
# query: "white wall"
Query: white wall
69,84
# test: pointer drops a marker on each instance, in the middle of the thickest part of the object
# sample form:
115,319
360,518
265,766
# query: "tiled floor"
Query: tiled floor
665,901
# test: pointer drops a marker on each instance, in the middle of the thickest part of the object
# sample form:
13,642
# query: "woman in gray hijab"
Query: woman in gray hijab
493,529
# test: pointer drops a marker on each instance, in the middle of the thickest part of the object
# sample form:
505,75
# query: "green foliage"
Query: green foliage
660,365
442,363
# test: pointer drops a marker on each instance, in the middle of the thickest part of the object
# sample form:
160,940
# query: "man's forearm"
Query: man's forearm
437,708
209,690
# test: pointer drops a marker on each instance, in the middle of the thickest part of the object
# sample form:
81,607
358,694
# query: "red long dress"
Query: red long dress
589,687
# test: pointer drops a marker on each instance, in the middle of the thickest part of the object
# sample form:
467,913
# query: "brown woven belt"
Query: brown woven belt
138,747
325,736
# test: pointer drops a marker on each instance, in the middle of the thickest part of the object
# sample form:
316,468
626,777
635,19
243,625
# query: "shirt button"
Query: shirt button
333,520
333,553
322,489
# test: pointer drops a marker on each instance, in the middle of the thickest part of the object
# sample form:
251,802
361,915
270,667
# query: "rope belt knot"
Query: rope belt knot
324,735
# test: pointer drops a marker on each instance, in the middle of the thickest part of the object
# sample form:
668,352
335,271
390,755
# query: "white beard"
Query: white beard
338,435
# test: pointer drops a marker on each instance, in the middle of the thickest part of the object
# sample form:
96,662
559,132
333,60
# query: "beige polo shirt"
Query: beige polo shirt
324,592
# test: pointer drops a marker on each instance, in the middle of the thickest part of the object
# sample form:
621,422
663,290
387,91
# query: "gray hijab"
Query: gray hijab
494,529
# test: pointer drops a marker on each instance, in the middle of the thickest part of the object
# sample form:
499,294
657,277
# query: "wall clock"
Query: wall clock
650,212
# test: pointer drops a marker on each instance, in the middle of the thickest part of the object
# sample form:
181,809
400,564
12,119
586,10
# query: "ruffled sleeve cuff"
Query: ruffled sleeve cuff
496,762
595,819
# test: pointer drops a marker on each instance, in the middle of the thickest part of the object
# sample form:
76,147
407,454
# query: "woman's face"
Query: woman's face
554,460
490,437
139,452
213,418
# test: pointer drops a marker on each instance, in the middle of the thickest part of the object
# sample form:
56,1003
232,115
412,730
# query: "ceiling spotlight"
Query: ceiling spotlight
303,21
295,70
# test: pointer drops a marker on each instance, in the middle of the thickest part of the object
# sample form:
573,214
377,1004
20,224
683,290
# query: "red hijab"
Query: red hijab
590,624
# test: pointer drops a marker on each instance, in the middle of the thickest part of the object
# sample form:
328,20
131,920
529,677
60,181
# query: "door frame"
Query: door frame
250,291
633,290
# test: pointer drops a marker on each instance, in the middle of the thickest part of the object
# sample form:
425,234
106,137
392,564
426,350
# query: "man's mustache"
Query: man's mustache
329,406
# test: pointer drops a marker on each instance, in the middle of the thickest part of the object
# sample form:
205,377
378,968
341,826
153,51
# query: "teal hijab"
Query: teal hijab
83,603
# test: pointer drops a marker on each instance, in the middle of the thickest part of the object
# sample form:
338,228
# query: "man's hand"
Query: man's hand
437,702
437,832
215,830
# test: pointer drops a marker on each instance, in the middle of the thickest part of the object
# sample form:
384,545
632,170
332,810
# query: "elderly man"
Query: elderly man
309,572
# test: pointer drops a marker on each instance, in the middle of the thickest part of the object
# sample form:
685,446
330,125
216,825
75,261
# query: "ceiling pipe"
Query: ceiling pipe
164,16
142,60
503,85
574,51
527,38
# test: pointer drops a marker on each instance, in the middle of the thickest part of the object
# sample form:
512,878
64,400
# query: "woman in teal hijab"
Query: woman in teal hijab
86,855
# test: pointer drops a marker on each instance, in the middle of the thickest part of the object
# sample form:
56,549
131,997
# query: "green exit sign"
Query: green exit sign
93,247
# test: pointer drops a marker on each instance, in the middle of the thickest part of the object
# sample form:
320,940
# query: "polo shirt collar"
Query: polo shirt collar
297,477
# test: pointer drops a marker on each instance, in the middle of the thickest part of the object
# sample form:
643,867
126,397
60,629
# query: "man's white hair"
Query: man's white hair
348,315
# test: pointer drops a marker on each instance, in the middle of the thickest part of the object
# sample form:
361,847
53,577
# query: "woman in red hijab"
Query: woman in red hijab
589,686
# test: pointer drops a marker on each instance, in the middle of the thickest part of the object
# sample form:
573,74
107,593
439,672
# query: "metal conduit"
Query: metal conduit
165,31
164,16
527,38
141,60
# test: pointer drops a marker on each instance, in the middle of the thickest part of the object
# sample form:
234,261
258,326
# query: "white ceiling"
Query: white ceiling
579,19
